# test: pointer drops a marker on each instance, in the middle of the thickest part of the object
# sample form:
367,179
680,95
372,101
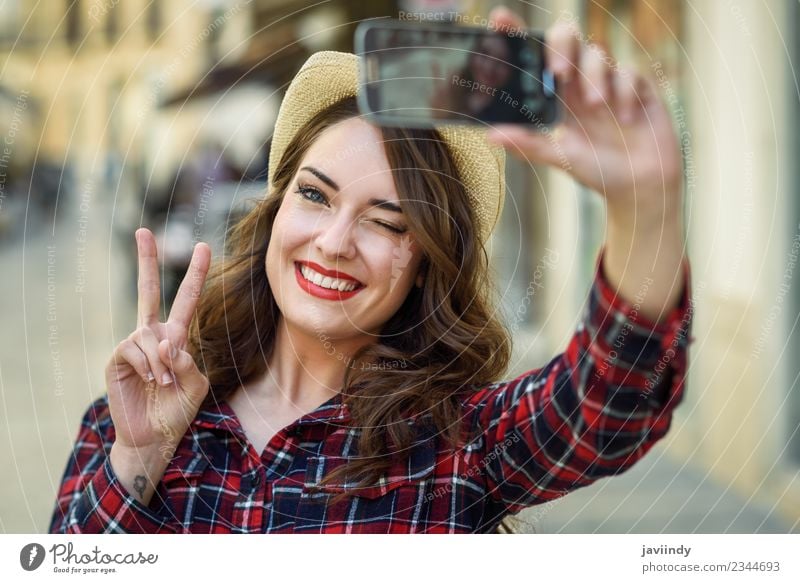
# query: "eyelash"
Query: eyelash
303,190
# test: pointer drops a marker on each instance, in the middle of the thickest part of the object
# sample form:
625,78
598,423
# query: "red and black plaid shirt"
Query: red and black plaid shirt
590,412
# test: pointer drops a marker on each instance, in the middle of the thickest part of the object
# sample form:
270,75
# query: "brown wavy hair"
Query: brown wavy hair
446,332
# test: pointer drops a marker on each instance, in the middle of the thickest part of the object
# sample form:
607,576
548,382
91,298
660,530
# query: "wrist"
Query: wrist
138,470
643,211
645,220
152,459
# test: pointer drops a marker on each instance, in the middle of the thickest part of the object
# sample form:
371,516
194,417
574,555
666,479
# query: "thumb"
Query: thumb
184,368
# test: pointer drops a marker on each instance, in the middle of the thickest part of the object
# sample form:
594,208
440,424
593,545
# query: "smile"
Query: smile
324,286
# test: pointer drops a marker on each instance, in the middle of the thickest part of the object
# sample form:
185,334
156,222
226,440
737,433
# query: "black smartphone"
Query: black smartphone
420,75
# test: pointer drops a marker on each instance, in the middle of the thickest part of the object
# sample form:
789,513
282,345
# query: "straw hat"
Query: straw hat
328,76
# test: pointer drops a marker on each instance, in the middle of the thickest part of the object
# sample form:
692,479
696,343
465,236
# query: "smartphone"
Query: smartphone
424,74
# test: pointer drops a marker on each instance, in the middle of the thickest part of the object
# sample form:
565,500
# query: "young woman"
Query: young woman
339,372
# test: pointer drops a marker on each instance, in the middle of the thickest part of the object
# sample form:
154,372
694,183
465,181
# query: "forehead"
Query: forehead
351,152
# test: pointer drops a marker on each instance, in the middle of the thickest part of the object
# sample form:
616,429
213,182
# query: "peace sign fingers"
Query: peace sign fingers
148,283
188,295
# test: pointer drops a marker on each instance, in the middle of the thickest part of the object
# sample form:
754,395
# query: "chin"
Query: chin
325,324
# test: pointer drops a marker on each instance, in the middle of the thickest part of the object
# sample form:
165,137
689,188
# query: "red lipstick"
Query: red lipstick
329,272
323,292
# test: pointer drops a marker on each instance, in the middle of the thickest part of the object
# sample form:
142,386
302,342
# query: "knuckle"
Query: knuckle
592,96
595,99
127,353
118,357
124,349
183,360
144,333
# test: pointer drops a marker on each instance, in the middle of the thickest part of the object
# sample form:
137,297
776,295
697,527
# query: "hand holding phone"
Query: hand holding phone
616,135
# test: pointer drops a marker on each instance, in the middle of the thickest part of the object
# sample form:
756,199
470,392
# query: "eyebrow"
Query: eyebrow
376,202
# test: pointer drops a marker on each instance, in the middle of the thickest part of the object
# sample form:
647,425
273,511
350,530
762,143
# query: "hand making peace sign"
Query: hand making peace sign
154,386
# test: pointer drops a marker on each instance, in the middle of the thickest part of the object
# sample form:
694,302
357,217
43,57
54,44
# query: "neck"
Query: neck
306,367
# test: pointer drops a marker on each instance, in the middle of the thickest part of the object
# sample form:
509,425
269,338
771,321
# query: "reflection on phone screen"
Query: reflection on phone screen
466,76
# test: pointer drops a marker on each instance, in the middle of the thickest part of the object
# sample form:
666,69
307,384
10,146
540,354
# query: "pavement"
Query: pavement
657,495
61,311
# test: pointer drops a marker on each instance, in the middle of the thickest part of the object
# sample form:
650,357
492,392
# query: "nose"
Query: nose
335,239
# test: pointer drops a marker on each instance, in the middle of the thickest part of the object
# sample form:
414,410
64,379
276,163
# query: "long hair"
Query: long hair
446,332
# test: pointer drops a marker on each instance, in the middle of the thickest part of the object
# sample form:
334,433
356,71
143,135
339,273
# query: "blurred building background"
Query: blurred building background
147,112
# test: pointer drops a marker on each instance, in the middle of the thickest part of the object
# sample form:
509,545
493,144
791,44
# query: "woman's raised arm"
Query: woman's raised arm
602,404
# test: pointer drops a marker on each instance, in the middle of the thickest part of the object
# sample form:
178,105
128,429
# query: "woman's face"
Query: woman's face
339,225
493,72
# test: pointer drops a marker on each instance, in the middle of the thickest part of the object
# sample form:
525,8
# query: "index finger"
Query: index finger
189,292
148,283
562,53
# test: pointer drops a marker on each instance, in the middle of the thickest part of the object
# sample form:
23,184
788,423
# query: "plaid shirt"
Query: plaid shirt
591,412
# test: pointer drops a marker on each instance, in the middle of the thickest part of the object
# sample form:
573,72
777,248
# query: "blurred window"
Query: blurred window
112,24
10,23
73,24
154,19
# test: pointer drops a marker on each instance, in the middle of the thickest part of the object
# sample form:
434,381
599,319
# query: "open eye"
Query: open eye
311,194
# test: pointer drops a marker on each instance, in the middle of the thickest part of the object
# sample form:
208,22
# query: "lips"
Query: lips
330,272
323,292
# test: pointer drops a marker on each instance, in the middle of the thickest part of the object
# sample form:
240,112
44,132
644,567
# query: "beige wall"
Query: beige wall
740,234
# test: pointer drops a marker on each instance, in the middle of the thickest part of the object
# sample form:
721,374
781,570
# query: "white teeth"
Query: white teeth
324,281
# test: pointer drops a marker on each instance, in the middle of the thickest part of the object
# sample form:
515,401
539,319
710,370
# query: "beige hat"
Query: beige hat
329,76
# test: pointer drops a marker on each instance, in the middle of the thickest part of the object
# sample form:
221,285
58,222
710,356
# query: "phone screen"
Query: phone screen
421,75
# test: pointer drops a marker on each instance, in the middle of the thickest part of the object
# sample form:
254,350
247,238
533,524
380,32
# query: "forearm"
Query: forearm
594,409
643,259
139,470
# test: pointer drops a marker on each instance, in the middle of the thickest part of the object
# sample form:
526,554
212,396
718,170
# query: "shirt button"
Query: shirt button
256,481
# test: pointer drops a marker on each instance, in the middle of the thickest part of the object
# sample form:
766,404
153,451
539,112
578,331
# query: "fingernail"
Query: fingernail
166,379
173,352
150,376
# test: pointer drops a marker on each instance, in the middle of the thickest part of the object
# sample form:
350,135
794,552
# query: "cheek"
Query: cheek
394,264
291,228
285,237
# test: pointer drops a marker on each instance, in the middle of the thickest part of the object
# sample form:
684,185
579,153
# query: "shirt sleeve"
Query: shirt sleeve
90,499
592,411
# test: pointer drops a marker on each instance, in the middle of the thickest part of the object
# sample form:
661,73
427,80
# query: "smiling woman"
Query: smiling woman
421,295
339,371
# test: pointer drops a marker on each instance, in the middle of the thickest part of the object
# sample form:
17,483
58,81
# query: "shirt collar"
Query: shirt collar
220,415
